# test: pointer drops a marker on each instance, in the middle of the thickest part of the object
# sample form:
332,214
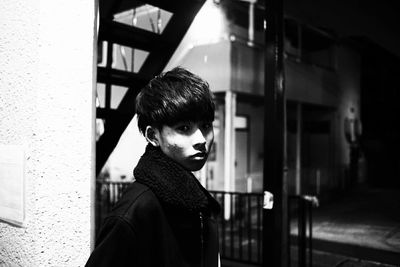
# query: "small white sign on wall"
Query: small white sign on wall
12,184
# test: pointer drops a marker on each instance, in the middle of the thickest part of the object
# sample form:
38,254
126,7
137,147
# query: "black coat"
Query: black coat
139,232
147,228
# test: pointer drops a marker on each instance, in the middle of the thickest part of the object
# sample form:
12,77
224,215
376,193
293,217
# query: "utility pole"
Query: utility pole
275,220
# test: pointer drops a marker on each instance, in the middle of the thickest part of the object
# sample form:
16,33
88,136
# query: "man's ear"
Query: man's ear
151,135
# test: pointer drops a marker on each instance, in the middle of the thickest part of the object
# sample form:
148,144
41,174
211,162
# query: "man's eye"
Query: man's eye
207,125
184,128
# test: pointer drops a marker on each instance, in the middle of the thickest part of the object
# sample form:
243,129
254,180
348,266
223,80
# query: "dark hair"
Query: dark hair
174,96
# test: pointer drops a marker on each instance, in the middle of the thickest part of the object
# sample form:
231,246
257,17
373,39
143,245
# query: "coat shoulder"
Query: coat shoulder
137,204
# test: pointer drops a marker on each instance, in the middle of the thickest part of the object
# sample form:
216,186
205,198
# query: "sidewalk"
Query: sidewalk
321,259
361,229
369,217
363,225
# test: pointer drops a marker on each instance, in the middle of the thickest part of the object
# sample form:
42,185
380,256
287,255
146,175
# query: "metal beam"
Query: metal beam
126,35
275,220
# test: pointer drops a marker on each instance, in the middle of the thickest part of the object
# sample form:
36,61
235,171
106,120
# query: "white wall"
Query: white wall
47,106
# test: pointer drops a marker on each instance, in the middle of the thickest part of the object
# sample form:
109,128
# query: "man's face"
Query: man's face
187,143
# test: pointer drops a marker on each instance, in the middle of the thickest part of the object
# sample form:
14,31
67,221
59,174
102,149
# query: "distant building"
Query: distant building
225,46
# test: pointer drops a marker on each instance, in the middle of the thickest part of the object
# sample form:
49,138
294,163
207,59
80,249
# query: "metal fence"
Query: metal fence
300,218
107,194
240,222
240,226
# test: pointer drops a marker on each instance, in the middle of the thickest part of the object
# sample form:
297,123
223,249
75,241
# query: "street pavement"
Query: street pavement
360,228
363,224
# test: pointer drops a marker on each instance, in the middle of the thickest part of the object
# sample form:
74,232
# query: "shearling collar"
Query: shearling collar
172,184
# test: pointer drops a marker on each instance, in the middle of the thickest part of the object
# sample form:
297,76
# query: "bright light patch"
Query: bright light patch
208,26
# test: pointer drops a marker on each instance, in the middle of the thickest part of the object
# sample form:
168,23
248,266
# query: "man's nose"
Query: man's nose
199,141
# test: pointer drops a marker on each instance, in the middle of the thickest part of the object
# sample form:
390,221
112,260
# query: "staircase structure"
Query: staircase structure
160,47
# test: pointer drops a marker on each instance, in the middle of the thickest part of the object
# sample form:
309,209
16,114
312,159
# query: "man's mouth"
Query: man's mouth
199,155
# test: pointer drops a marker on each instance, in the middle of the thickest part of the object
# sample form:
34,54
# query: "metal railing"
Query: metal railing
107,194
300,216
240,222
240,226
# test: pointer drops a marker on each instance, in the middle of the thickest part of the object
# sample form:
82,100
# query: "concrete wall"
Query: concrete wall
47,106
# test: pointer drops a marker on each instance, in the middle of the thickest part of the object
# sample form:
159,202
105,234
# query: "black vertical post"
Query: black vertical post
249,223
275,233
289,218
301,242
109,67
259,230
232,235
223,228
310,206
241,218
97,199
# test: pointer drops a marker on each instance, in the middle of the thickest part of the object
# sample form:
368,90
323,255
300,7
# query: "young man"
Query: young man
166,218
